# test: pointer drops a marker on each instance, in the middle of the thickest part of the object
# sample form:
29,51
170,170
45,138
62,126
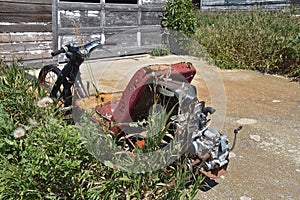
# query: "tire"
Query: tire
46,80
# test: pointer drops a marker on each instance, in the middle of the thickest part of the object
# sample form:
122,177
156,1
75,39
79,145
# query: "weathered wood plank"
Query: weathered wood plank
122,39
26,56
79,6
82,30
153,2
48,2
74,39
38,63
154,8
25,46
25,28
35,64
55,24
121,1
95,6
121,18
121,7
94,30
24,17
151,36
24,8
25,37
151,18
80,18
118,29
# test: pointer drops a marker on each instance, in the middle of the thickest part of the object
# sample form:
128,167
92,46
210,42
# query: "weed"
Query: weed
159,52
179,16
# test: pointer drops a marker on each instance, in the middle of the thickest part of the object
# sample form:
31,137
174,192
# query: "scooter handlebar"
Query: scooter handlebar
67,48
57,52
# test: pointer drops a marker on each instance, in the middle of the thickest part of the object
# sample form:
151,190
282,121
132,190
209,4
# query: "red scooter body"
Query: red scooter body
137,99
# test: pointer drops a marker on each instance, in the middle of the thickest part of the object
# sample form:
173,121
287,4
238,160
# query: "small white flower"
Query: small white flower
27,128
53,121
19,132
33,122
44,102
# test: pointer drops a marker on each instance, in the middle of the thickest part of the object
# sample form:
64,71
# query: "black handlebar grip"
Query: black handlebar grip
55,53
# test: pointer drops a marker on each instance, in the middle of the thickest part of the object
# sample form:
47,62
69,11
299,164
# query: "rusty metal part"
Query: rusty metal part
200,159
215,173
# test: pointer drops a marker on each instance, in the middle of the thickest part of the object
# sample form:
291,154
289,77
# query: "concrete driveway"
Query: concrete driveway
266,161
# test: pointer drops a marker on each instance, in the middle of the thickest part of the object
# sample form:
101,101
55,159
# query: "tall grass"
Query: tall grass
17,93
267,41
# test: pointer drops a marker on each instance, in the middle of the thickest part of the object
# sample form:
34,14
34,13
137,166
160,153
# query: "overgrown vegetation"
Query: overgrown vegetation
179,16
267,41
43,158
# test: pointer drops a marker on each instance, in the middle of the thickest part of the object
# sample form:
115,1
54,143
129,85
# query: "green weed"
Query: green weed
159,52
179,16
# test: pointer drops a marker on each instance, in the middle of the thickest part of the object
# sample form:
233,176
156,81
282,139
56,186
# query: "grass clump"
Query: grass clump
17,93
267,41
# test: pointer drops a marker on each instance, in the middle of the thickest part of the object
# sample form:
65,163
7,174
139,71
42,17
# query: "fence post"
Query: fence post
55,24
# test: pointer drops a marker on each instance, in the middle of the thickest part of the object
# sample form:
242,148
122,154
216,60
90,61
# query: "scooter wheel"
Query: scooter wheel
46,80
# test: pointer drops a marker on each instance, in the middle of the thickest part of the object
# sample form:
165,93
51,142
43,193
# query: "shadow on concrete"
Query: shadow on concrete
207,184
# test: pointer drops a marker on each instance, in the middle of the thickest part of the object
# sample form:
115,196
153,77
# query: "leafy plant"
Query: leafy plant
159,52
179,15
